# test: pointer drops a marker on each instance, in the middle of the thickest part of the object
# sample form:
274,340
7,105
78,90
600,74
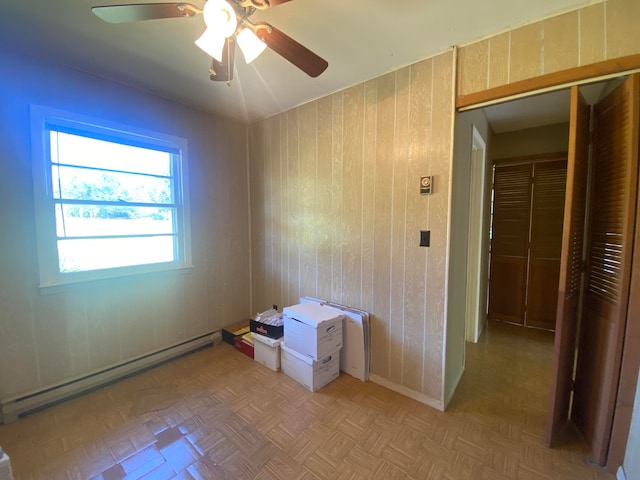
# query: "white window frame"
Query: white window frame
41,119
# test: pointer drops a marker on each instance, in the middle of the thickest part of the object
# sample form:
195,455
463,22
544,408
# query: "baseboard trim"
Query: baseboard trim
13,407
407,392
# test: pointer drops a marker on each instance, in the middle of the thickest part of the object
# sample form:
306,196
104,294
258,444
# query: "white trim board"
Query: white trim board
407,392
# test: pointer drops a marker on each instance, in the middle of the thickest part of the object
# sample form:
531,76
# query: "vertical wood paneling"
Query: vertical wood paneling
382,225
398,223
498,60
592,40
265,172
295,216
337,210
440,166
623,17
475,58
308,215
102,309
276,192
374,140
77,332
285,206
591,34
561,30
48,339
352,194
51,338
324,195
368,193
417,219
526,52
260,143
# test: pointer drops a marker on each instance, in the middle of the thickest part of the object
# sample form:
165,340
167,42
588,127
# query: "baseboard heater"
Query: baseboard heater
14,407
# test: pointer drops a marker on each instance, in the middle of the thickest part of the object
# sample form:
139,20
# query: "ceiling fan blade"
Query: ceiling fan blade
144,11
287,47
223,71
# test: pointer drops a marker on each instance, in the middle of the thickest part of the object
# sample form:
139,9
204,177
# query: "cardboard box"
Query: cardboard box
266,351
244,346
272,331
312,330
230,333
308,372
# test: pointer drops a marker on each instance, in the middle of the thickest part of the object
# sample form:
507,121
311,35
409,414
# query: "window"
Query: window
110,200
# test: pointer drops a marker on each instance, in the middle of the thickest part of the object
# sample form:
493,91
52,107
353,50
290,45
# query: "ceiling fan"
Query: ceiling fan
227,23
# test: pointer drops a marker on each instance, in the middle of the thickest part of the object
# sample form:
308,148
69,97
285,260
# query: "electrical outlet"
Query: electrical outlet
425,238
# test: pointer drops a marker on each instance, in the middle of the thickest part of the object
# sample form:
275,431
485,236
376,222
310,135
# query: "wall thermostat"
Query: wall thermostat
426,185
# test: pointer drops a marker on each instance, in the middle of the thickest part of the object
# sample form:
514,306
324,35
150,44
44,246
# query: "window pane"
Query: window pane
89,152
74,220
72,183
97,254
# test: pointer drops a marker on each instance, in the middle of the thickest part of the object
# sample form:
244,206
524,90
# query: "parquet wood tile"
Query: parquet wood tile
215,414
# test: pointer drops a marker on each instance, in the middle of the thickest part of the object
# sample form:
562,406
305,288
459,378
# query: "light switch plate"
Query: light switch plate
425,238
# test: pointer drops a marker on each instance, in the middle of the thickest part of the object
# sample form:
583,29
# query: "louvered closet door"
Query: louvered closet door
608,264
509,242
549,183
570,268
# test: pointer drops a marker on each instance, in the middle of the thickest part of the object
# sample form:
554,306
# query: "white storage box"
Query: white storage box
312,330
266,351
308,372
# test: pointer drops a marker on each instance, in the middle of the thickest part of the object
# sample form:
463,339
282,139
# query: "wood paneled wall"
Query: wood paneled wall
50,338
336,213
334,203
595,33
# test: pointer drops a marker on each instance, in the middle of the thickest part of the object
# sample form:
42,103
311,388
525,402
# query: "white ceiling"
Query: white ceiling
538,110
361,39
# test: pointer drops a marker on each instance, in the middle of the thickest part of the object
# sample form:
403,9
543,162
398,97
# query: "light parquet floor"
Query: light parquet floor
215,414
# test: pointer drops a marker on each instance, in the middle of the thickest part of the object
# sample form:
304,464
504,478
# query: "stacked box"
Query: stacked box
312,330
266,351
310,373
312,343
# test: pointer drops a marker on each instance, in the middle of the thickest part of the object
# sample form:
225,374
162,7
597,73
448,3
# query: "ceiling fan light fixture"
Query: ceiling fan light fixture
211,43
250,45
220,17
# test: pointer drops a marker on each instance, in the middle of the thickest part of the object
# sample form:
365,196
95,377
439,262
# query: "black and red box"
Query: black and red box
271,331
244,346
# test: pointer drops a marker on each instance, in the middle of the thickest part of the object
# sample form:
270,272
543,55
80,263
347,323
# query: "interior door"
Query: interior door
547,208
615,155
570,267
510,242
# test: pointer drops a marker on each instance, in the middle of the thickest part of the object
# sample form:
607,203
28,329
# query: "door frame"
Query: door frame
476,285
555,81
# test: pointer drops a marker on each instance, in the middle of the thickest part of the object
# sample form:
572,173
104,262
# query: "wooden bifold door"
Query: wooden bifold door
598,328
526,238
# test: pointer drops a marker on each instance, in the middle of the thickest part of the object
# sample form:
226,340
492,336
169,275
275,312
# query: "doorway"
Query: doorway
476,296
518,105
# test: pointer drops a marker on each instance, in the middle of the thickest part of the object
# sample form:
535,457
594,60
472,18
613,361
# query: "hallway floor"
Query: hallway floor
215,414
